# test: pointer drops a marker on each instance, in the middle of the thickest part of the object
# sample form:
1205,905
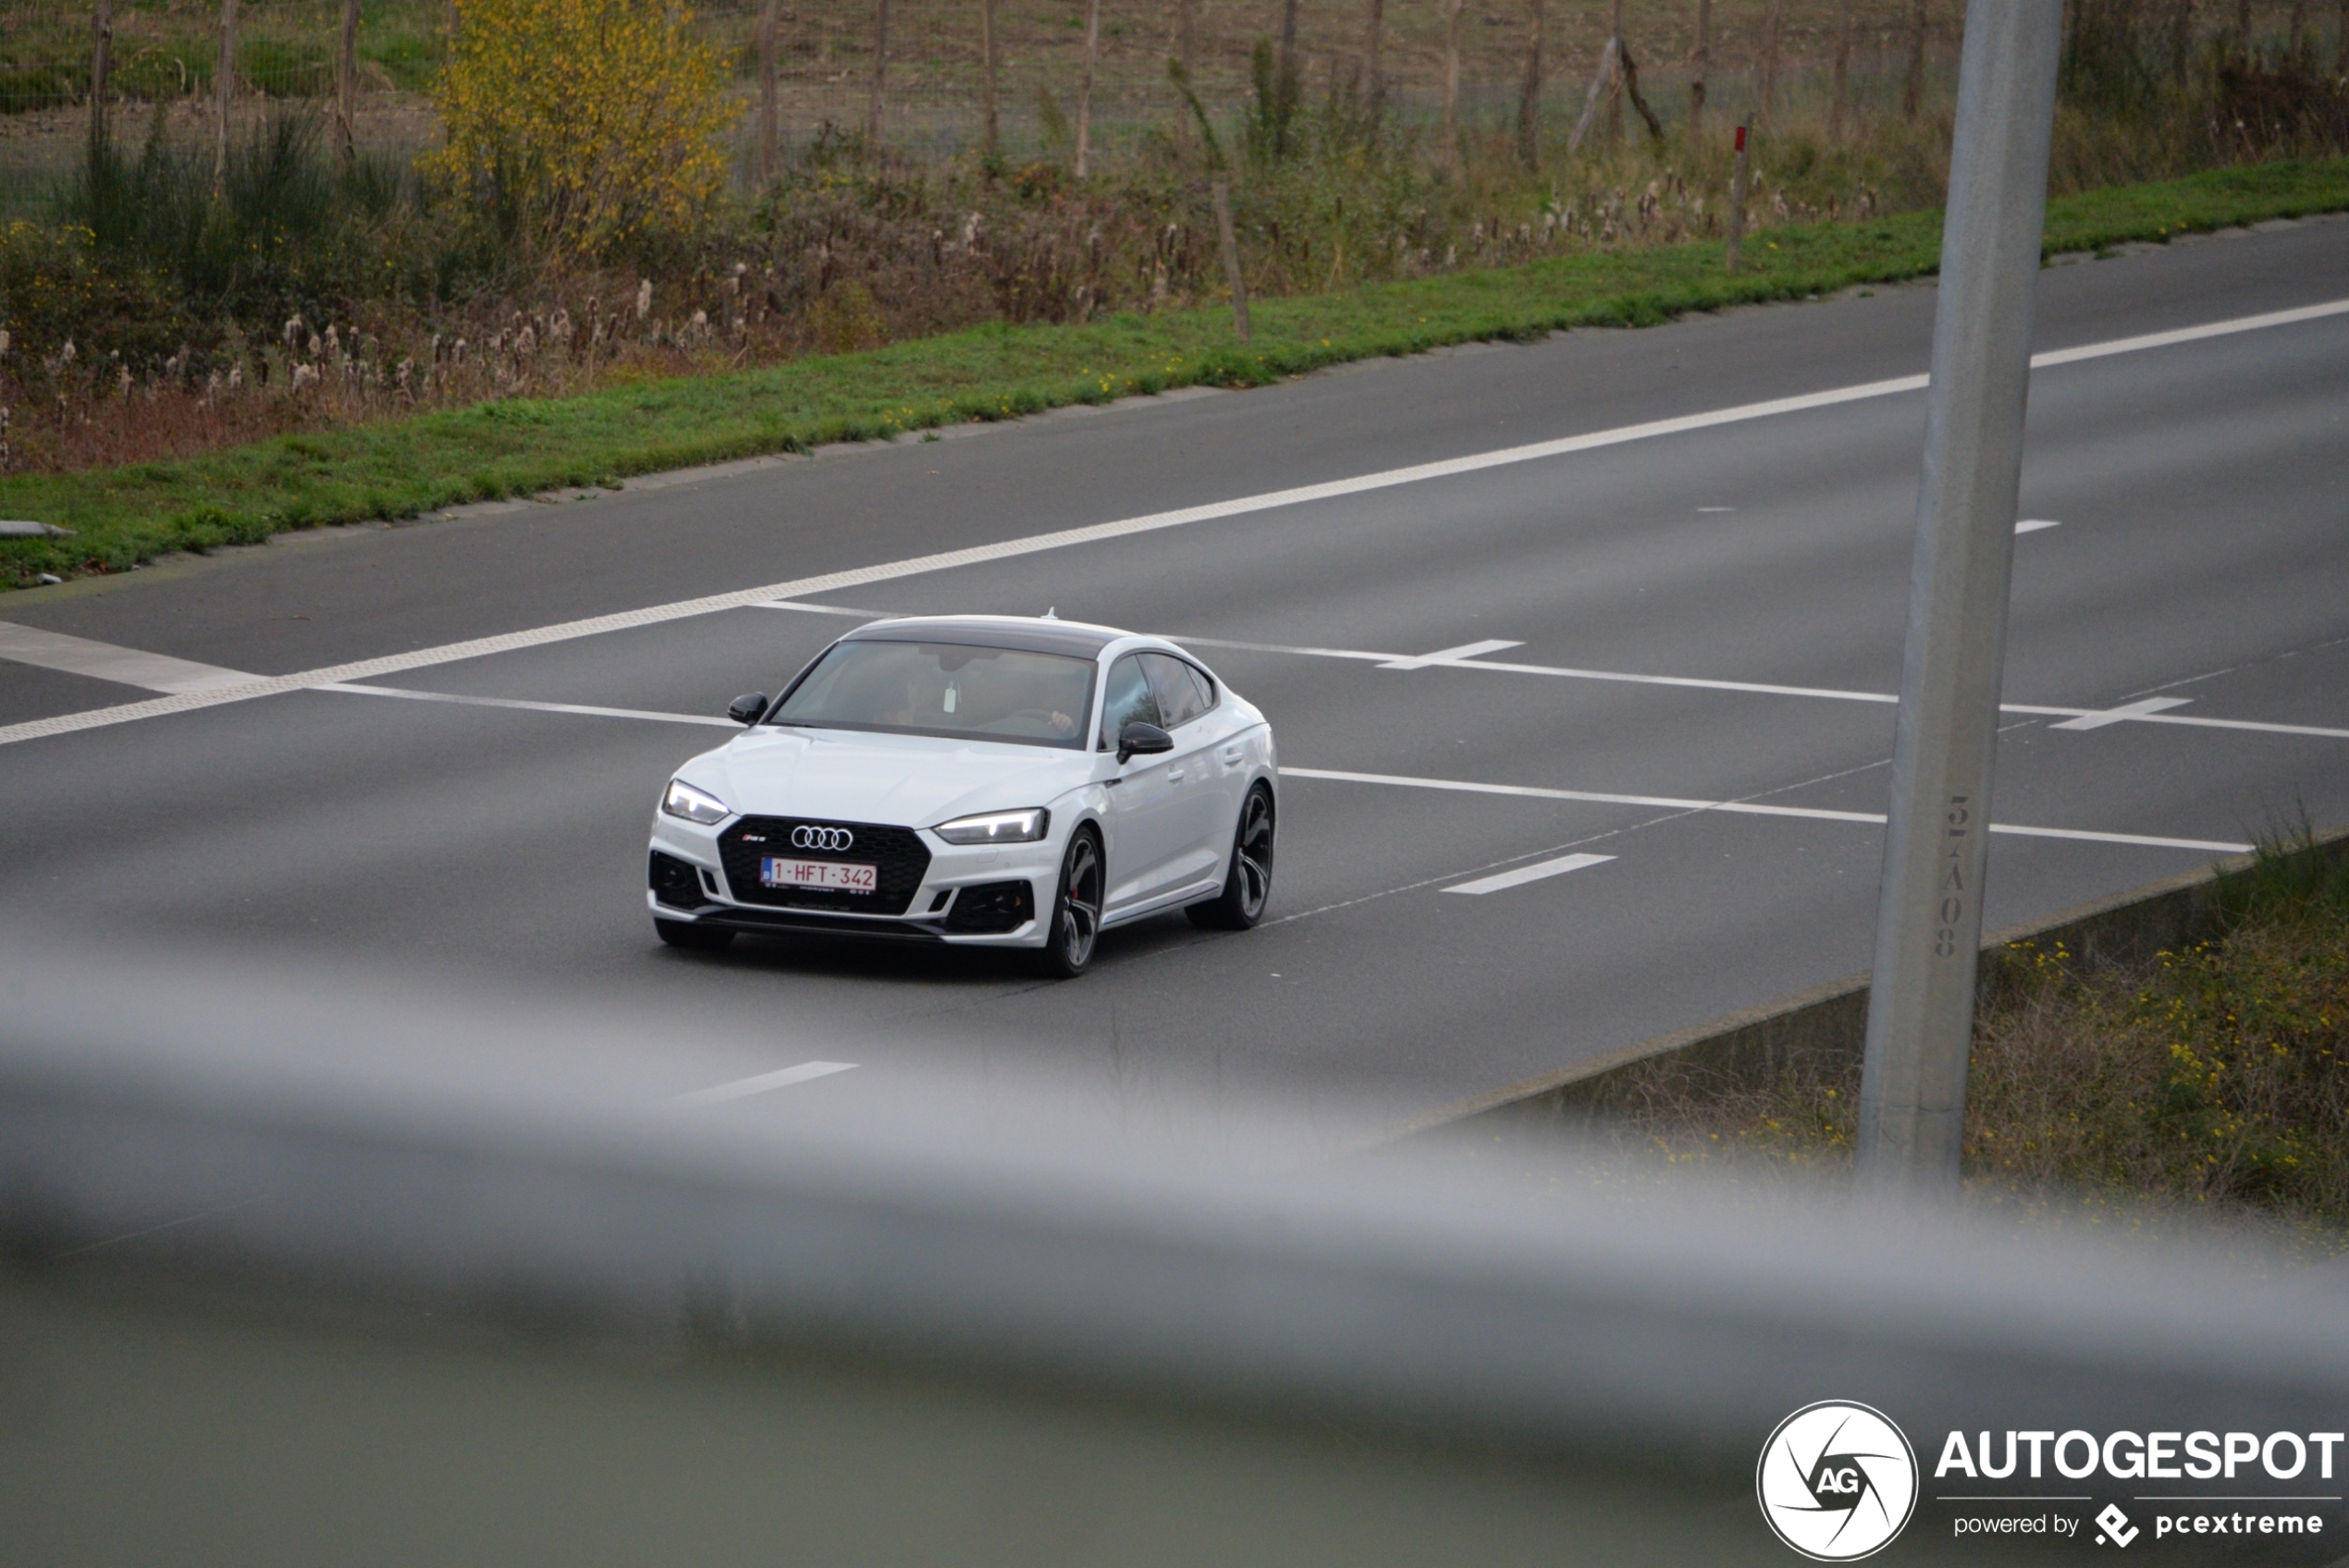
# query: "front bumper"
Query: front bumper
976,896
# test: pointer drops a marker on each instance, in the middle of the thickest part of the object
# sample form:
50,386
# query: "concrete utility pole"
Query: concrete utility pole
1929,920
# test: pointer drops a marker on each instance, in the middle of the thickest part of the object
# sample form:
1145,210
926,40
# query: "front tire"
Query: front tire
1075,927
691,937
1247,880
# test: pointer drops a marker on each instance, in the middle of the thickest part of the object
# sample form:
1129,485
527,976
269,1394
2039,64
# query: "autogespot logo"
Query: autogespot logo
1837,1481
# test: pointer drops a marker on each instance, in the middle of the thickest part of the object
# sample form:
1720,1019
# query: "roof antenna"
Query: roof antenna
1054,613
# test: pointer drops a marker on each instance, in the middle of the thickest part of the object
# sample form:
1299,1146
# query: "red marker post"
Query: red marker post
1737,204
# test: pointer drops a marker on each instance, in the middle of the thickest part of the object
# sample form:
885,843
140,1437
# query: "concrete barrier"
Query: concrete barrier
1822,1033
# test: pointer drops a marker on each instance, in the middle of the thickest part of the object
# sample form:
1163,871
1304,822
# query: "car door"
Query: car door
1204,808
1144,832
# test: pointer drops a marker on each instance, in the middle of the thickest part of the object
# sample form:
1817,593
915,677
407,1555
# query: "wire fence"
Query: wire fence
164,59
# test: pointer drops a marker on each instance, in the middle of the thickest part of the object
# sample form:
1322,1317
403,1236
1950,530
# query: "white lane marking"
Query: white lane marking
356,691
2187,335
105,661
1460,655
743,1087
1717,508
1741,808
1525,873
1822,693
2124,712
655,615
2032,525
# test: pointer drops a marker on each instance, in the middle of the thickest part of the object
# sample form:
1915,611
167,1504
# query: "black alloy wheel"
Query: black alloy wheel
1247,882
691,937
1076,910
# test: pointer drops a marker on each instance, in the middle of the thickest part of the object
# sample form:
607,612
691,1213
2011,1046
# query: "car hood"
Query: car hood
913,780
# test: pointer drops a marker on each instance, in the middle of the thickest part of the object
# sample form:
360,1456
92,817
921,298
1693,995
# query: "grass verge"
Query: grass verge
2213,1079
124,515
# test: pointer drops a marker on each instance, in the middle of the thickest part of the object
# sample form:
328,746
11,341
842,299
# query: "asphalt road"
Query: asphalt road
2198,490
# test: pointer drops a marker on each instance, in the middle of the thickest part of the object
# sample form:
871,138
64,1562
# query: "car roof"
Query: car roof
1027,634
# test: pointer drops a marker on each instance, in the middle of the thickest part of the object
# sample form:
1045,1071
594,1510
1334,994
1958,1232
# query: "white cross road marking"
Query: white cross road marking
946,560
105,661
821,609
1743,808
1525,873
1827,693
1460,655
742,1088
2125,711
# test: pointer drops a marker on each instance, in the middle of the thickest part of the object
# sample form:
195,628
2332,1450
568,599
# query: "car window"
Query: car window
1182,690
1130,700
945,690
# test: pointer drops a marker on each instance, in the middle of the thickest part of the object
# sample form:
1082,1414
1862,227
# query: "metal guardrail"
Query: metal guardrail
261,1307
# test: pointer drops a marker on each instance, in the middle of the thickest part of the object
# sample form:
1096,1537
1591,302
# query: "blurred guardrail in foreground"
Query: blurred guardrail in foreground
276,1292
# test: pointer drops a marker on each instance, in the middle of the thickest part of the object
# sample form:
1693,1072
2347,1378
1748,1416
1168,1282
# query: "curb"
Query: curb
1824,1031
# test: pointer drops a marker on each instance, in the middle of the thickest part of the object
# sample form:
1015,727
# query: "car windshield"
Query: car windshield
946,689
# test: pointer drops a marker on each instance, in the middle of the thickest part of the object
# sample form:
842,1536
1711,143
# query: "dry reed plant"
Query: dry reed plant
2213,1078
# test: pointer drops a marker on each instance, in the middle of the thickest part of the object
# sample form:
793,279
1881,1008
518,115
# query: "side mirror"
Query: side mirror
746,708
1142,740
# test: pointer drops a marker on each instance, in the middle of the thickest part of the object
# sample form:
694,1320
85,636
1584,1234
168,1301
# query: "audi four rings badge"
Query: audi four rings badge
833,838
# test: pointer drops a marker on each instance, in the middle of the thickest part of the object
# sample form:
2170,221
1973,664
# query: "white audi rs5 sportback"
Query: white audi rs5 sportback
993,781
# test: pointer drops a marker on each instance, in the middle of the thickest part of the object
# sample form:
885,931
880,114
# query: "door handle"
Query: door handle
1233,754
1173,775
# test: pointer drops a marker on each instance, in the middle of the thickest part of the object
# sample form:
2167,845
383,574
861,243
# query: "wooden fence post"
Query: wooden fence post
101,69
769,25
225,94
347,85
1085,87
878,105
1452,86
1231,245
1700,63
992,126
1737,204
1529,107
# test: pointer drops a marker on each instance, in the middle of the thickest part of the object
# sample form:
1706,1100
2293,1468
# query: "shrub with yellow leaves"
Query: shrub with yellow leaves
595,126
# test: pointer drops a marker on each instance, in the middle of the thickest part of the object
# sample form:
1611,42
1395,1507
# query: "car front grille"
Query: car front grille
898,854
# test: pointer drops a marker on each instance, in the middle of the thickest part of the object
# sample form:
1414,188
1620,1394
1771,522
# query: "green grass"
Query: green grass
518,446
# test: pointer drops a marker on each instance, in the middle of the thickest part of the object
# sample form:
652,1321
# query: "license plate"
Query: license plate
840,877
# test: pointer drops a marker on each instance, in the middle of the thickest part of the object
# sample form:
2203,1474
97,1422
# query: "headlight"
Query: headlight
997,827
684,801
